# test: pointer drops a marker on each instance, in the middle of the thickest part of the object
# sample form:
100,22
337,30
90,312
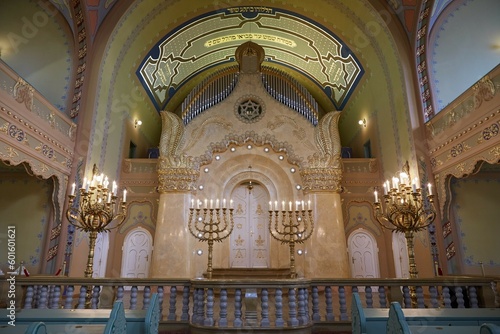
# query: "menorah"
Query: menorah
97,209
209,224
291,226
405,211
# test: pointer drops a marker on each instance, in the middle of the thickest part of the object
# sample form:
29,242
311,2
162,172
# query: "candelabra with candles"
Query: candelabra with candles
405,210
98,207
208,224
291,226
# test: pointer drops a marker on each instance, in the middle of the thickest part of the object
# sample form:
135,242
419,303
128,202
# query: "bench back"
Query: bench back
396,324
357,315
36,328
152,320
117,324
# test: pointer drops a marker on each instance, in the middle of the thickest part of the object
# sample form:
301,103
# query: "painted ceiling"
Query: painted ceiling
289,41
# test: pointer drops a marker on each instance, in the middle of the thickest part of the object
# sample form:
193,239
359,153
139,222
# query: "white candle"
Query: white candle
276,205
290,206
414,185
87,186
224,203
192,203
282,205
109,197
385,189
230,203
376,196
308,205
198,203
303,207
84,184
430,188
211,203
124,195
270,206
297,205
73,187
206,201
217,204
114,188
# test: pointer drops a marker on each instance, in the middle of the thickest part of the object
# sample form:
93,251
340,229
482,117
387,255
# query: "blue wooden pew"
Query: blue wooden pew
116,324
374,320
94,320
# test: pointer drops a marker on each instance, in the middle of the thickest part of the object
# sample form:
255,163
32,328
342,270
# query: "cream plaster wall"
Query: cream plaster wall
25,203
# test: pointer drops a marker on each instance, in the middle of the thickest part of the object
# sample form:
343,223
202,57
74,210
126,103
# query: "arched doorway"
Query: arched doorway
250,237
400,252
137,248
101,255
363,251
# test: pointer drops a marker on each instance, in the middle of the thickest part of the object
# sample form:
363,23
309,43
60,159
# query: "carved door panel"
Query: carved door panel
400,251
137,249
364,255
250,237
100,255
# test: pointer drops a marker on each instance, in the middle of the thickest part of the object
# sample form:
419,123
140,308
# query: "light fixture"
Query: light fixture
362,122
137,123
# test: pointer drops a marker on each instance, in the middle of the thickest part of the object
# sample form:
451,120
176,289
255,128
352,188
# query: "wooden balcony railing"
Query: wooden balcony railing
250,303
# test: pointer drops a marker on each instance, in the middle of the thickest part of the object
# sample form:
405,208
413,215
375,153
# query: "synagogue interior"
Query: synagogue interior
203,126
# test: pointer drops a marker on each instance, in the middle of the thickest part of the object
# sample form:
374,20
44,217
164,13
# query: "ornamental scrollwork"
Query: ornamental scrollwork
321,179
177,179
484,90
23,93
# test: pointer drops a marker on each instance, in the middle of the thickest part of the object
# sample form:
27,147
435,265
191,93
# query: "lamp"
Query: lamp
97,209
362,122
137,123
405,210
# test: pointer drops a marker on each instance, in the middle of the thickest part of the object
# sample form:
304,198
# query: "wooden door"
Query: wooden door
101,255
363,252
137,248
250,237
400,251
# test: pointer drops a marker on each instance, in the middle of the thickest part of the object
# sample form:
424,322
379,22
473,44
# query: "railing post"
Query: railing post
133,297
265,309
382,297
446,297
82,297
329,304
223,308
343,303
95,296
172,301
146,297
185,303
237,309
292,312
69,297
301,310
29,297
209,317
315,304
278,299
161,293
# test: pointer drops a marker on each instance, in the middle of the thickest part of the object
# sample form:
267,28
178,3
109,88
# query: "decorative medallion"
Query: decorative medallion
249,109
450,251
16,133
446,229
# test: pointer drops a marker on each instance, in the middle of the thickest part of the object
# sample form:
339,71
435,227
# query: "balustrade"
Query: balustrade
250,303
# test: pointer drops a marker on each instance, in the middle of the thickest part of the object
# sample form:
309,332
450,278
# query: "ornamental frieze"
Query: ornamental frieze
321,179
177,179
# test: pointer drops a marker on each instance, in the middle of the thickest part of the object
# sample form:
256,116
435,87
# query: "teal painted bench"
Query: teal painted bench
138,321
115,324
374,320
398,324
